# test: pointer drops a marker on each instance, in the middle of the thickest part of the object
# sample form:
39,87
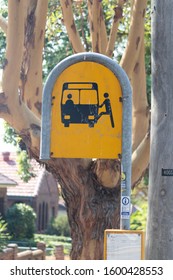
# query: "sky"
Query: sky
4,147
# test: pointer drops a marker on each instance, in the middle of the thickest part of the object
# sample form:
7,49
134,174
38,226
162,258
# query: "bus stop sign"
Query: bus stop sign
83,108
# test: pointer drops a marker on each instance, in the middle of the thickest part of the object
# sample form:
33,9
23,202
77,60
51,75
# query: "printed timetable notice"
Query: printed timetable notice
123,245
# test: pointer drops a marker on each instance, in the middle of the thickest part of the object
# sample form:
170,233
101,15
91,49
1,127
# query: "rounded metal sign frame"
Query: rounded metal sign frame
126,118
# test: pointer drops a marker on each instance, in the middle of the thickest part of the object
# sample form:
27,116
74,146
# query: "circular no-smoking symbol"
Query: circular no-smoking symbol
125,200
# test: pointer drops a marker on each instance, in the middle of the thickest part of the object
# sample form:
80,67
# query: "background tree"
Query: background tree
21,221
91,188
159,238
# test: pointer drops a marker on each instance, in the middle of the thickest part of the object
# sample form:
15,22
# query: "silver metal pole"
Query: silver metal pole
126,159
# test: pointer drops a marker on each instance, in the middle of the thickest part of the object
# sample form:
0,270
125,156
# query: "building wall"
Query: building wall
47,208
44,204
17,199
47,200
3,200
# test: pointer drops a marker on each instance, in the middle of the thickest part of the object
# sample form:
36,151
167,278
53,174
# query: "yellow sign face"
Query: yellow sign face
86,113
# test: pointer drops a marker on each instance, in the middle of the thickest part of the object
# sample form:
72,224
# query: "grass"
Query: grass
50,240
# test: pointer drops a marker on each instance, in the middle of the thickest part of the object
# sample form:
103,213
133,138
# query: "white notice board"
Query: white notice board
123,244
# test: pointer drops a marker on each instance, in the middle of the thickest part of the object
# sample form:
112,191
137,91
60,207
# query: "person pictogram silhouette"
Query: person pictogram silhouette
108,109
69,101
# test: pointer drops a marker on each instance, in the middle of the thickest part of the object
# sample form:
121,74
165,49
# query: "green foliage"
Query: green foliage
4,235
24,166
59,226
139,194
148,51
139,198
138,219
2,48
10,136
25,242
52,240
21,221
57,45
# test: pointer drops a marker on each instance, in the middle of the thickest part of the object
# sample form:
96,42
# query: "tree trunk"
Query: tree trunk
91,207
91,189
159,238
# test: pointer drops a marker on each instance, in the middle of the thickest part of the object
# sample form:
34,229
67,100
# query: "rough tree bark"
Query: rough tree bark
91,188
159,237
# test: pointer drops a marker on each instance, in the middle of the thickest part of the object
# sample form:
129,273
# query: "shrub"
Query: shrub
4,235
139,218
54,240
59,226
21,221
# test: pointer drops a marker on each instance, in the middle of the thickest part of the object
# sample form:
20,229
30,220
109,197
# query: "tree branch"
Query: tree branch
31,70
69,22
140,159
97,26
14,50
103,39
86,44
140,104
107,172
113,33
94,13
24,118
134,40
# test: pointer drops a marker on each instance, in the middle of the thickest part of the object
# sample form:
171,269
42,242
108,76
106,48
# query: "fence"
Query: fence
12,253
59,252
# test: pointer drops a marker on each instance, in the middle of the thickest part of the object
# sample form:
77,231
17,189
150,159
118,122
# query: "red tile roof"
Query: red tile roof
5,181
9,168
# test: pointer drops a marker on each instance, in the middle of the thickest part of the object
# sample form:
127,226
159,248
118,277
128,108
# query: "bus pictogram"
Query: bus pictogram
80,104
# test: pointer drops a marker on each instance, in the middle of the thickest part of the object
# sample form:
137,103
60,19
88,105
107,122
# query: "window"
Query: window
2,206
42,216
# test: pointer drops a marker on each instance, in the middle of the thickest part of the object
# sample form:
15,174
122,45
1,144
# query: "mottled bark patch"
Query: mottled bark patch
25,135
23,76
110,52
29,104
38,106
3,98
35,129
30,24
4,64
67,3
41,34
137,42
4,109
92,26
101,15
29,41
118,13
37,91
73,27
97,44
136,68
